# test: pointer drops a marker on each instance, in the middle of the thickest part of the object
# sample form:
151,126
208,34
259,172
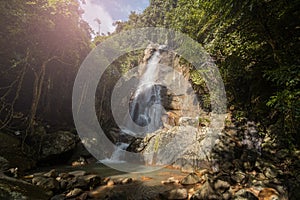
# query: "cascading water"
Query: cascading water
118,154
145,108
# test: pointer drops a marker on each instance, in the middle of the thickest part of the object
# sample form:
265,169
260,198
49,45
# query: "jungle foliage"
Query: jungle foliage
256,47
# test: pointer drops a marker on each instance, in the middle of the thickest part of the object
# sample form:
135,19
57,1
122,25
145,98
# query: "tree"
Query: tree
37,64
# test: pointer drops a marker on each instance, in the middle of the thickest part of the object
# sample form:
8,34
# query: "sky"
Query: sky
109,11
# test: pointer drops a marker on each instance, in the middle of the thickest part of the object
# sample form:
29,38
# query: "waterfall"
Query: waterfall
146,109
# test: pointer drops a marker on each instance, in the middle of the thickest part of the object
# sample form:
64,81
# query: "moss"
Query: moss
156,143
204,121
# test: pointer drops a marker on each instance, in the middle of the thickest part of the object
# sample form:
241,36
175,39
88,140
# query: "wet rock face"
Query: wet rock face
174,76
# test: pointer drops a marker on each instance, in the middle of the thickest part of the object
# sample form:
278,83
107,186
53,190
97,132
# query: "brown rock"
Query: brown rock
268,194
110,183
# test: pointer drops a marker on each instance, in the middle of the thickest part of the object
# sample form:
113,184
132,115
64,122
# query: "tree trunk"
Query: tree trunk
37,91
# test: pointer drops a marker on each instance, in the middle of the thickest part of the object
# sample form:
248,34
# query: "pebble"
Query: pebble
110,183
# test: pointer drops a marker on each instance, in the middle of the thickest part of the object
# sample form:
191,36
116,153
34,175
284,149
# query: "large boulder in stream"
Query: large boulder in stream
53,147
180,145
56,144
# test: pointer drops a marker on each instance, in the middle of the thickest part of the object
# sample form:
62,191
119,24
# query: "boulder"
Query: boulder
165,147
55,144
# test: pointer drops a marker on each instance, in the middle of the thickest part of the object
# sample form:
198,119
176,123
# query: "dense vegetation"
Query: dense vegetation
256,46
254,43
